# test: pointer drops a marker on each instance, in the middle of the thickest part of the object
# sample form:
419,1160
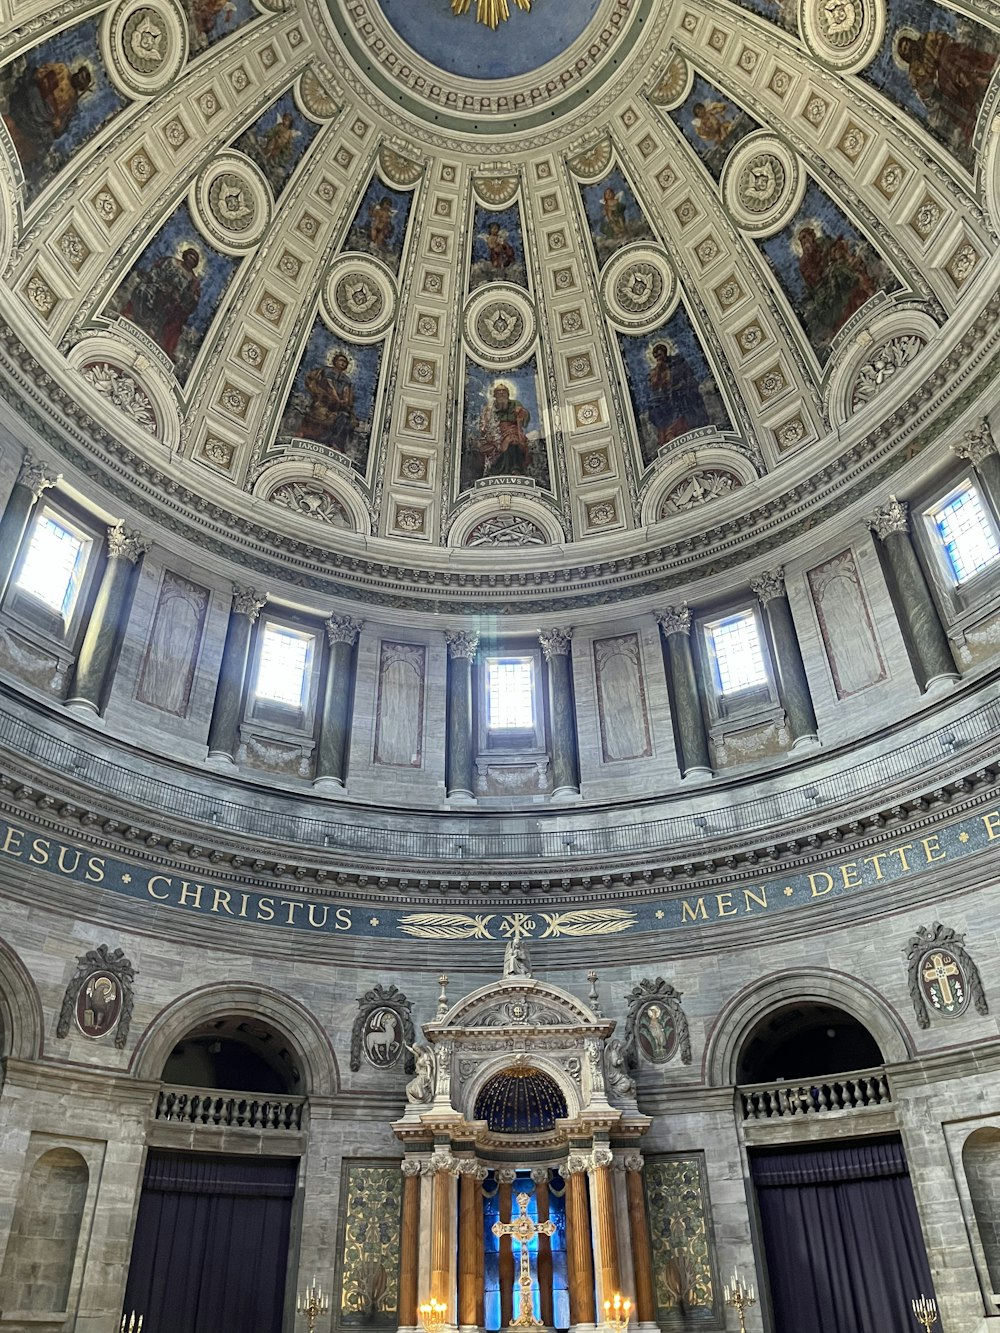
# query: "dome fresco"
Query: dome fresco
382,281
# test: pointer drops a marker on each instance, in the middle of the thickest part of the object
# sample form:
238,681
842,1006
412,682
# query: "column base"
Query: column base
327,783
698,774
220,759
583,1328
81,705
461,796
807,742
942,684
565,794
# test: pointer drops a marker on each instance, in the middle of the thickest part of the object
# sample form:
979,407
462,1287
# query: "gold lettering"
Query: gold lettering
69,870
265,909
343,919
725,901
991,823
929,850
190,891
848,869
217,901
39,852
317,907
12,842
692,914
760,901
876,860
901,853
95,869
163,880
243,905
820,874
292,906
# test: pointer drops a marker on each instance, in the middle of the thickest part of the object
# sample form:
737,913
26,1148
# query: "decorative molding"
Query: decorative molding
662,994
944,949
367,1037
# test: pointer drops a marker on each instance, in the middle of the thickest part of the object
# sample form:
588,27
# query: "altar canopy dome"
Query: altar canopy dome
520,1101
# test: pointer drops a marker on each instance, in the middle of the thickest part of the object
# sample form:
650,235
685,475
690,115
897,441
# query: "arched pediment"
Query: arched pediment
519,1003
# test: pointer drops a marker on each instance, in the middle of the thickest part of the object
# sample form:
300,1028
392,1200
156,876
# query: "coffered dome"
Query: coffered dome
365,291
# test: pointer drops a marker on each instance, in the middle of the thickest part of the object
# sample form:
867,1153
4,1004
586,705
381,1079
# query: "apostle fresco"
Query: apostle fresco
329,414
379,225
497,248
53,100
949,76
503,439
165,296
333,395
675,404
712,124
614,215
502,428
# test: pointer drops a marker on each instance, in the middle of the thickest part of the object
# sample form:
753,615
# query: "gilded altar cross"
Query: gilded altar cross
938,970
489,12
523,1230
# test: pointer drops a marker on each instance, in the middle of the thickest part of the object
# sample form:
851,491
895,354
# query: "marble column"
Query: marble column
224,733
32,480
443,1234
562,722
335,725
470,1246
602,1199
505,1199
409,1246
579,1245
641,1247
689,720
97,659
462,646
540,1175
793,687
926,642
978,447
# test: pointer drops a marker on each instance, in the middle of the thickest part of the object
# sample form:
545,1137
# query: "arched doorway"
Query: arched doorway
211,1246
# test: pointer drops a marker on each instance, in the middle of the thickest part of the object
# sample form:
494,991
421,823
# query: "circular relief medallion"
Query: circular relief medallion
382,1038
360,297
499,324
844,34
232,203
943,983
638,288
98,1004
655,1033
762,185
145,45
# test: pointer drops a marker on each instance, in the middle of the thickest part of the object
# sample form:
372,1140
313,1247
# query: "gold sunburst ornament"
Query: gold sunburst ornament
489,12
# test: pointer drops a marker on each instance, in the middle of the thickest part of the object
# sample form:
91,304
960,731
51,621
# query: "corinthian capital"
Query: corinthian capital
37,476
976,443
769,586
462,643
674,619
555,642
342,629
248,602
410,1166
126,544
894,516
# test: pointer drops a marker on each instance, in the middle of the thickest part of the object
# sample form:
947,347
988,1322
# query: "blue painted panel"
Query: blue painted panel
333,395
277,141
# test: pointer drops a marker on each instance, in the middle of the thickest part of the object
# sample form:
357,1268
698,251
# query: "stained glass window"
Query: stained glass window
54,563
966,533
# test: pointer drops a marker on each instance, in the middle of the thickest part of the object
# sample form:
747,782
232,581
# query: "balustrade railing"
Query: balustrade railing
229,1110
842,1092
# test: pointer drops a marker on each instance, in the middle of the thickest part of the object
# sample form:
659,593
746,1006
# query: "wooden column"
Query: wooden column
442,1239
409,1247
642,1255
470,1247
546,1306
579,1250
506,1194
602,1185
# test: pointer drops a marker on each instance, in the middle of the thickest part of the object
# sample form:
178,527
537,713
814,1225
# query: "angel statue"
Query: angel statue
516,962
420,1089
619,1079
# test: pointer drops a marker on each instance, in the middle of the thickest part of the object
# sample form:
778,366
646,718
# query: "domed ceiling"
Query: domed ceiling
414,280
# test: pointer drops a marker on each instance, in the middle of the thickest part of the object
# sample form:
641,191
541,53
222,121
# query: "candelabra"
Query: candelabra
312,1303
432,1315
617,1313
132,1323
740,1297
925,1309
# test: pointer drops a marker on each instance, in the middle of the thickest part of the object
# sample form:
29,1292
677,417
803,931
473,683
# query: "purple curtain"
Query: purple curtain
842,1238
211,1244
